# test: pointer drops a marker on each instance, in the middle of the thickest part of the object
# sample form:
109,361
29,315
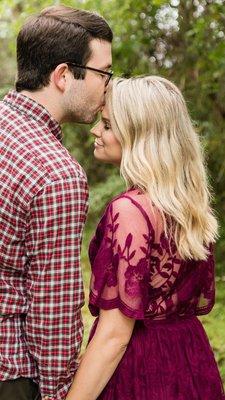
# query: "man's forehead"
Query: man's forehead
101,53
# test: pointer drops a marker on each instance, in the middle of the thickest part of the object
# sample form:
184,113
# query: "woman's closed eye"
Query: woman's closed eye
106,123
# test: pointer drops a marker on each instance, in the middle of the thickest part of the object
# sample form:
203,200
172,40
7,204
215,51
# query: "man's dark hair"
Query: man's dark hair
56,35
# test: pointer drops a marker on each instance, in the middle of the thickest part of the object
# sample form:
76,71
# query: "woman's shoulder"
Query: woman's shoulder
133,193
133,203
124,201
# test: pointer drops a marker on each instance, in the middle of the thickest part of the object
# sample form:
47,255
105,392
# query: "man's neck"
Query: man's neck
43,97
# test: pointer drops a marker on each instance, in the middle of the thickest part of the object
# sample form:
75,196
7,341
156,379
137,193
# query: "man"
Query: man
64,56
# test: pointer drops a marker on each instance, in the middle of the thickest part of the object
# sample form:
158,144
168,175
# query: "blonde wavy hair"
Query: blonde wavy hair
162,155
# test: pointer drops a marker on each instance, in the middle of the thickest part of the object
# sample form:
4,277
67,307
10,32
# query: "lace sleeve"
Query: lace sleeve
120,269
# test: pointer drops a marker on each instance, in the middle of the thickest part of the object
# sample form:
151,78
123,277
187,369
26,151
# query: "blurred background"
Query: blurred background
183,41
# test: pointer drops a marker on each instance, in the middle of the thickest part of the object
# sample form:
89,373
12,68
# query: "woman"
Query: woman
151,256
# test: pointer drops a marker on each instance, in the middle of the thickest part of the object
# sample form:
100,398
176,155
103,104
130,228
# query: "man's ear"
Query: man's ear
60,76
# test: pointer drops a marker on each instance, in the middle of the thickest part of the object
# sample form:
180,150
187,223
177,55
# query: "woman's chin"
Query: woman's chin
101,159
97,156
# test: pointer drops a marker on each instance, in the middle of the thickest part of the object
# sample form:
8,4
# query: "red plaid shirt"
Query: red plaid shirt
43,206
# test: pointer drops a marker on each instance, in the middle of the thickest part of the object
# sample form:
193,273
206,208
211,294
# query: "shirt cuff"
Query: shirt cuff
60,393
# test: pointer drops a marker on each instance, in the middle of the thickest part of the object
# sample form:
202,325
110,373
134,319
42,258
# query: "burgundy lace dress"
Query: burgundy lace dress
136,269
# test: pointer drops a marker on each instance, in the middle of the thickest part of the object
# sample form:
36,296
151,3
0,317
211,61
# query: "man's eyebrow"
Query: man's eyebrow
109,66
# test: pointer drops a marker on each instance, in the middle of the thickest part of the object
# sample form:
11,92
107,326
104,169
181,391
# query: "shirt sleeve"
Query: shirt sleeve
54,326
120,269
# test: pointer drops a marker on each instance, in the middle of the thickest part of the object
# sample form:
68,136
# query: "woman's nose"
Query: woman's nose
96,131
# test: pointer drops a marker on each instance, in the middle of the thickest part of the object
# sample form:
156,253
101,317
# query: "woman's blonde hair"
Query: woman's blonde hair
162,155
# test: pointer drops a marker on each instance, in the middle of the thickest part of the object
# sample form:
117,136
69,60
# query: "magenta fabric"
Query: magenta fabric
137,269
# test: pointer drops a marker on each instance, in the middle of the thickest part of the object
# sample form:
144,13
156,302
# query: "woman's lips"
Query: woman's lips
98,144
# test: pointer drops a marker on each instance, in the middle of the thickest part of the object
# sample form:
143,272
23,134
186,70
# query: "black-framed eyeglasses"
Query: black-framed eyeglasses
107,74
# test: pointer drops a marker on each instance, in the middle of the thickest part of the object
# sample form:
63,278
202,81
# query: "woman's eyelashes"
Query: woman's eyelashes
106,126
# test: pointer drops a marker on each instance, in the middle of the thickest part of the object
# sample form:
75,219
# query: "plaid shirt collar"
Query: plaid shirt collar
35,110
